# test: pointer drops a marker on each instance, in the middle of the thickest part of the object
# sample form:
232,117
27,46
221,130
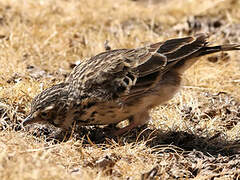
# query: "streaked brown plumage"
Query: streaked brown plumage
121,84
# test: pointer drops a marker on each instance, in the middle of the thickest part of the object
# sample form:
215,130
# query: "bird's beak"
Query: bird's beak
29,120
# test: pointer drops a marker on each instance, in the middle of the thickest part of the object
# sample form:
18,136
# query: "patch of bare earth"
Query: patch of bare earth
194,136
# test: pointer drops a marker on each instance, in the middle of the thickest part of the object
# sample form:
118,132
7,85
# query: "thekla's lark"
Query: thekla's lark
121,84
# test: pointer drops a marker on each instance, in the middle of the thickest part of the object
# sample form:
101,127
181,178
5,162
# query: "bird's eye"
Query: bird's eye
44,114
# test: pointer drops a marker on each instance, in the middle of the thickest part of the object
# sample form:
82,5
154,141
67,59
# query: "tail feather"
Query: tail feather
228,47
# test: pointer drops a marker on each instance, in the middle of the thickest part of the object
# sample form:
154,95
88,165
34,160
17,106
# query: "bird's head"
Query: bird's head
49,107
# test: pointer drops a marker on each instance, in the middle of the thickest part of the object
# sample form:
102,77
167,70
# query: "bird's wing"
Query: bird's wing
126,72
173,51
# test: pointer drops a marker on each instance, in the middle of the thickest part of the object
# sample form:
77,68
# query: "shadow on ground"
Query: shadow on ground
183,141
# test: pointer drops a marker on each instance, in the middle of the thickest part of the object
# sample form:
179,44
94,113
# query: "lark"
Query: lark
121,84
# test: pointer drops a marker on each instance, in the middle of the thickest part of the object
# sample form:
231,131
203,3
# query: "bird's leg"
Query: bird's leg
135,121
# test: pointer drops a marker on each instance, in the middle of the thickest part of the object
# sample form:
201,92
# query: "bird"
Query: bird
121,84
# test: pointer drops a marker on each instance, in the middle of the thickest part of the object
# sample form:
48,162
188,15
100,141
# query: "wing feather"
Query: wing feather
129,72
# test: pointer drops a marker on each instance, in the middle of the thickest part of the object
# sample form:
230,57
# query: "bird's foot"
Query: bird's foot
124,130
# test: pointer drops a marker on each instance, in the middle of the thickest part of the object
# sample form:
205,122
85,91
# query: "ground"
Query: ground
193,136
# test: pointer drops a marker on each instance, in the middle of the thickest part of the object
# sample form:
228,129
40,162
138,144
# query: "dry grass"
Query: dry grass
194,136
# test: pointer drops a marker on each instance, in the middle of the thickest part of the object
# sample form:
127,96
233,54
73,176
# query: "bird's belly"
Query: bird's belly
115,112
157,96
161,95
104,114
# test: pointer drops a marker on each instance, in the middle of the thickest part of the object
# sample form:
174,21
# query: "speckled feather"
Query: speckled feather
121,84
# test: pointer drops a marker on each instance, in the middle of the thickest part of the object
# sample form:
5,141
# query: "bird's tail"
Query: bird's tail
228,47
185,63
